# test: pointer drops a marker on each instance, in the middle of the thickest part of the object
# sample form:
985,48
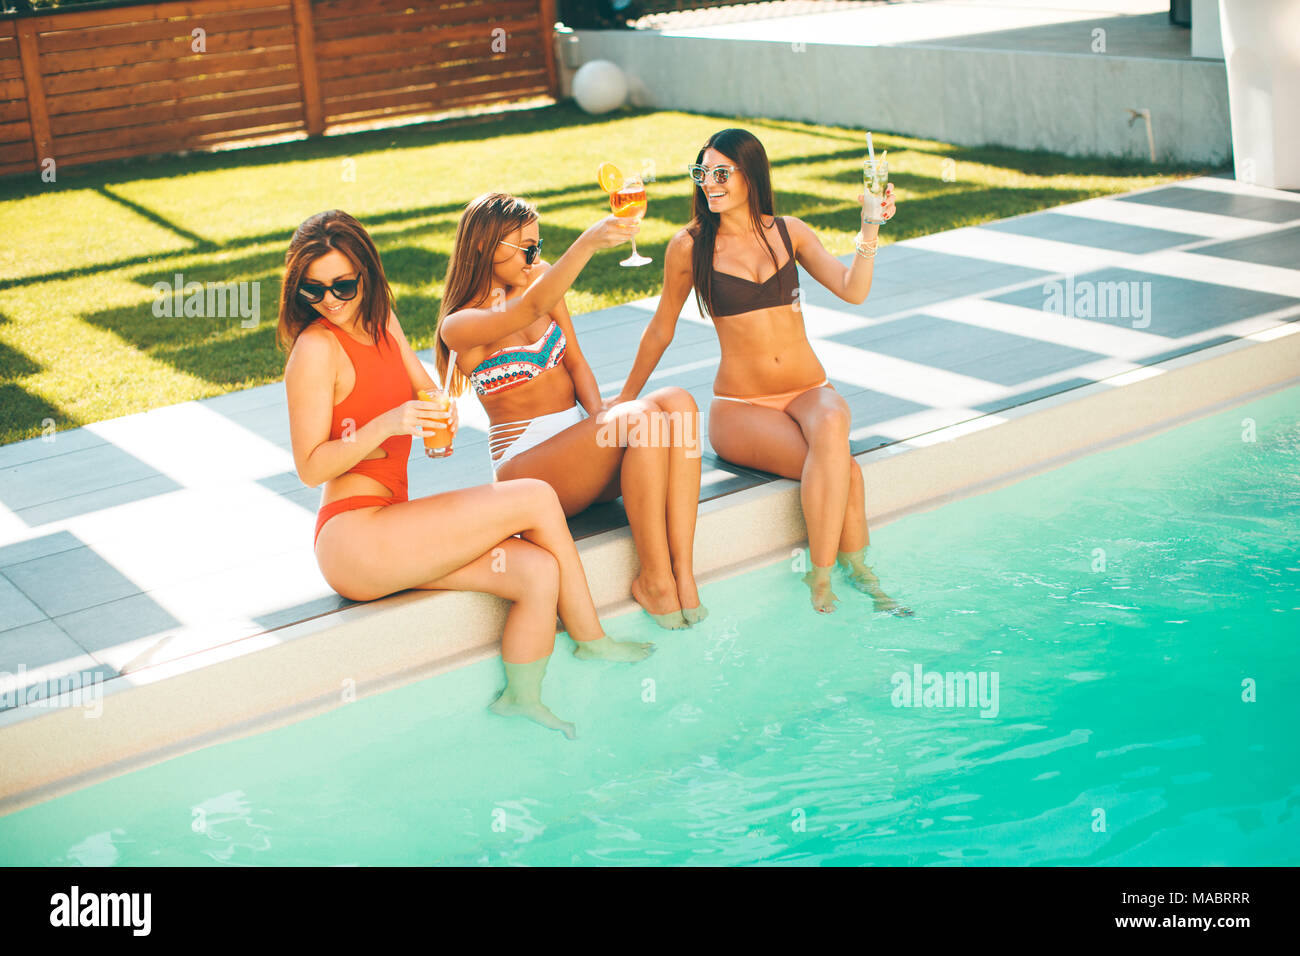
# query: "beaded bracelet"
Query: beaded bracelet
867,250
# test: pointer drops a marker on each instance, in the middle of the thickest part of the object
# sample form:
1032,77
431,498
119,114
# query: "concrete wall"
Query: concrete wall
1066,103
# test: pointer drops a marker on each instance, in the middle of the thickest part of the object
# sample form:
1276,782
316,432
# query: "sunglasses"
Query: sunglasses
720,173
344,290
531,252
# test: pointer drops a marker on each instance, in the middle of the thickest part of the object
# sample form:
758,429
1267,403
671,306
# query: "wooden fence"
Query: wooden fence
126,80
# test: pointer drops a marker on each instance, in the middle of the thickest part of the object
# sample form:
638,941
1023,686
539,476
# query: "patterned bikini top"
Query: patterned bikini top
514,365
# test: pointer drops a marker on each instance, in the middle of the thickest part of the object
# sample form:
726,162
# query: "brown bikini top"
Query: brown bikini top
733,295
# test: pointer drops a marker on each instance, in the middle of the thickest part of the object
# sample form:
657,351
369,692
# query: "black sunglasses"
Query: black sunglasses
531,252
344,290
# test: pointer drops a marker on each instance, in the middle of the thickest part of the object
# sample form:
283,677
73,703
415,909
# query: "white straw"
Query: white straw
451,364
871,152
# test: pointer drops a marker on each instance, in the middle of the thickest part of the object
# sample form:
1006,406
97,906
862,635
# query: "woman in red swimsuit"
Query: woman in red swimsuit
351,378
773,408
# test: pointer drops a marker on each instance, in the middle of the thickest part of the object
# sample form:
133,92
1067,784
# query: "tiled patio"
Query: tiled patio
146,538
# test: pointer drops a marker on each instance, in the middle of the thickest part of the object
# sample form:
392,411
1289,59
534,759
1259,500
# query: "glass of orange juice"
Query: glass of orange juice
629,201
437,443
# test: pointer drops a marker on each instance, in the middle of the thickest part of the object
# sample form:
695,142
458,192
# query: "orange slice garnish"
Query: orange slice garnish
609,177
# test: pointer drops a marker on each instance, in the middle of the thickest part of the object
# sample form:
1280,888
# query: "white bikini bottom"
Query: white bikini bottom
514,438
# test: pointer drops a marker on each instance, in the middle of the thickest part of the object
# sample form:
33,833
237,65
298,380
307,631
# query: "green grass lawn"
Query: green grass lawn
79,341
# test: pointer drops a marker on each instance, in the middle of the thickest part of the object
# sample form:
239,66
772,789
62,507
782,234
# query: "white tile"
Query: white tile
194,445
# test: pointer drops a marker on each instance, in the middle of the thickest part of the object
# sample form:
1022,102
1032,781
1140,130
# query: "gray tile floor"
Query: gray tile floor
156,535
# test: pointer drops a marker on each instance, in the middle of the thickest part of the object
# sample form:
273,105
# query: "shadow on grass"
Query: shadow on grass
218,348
23,415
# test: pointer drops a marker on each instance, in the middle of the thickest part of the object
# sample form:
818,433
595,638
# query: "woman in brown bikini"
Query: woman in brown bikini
773,408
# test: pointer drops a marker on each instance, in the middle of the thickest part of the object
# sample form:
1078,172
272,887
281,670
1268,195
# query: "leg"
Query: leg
853,546
368,553
587,461
529,577
682,414
770,440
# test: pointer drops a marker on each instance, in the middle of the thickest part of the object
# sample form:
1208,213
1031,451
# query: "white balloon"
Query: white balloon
599,86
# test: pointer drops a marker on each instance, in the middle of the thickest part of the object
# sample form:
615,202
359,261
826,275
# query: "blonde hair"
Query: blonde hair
486,221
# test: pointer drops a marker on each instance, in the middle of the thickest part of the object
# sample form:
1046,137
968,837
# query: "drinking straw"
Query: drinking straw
871,151
451,364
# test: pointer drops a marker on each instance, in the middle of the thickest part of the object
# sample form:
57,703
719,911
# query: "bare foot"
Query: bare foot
689,598
865,580
508,706
819,584
660,602
607,649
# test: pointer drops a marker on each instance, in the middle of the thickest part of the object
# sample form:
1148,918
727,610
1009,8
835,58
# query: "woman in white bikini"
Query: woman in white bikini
773,408
503,314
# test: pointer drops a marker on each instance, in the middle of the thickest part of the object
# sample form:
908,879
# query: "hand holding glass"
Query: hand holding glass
438,436
875,176
629,202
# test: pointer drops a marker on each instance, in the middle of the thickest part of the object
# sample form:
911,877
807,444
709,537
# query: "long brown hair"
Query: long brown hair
485,222
742,148
333,229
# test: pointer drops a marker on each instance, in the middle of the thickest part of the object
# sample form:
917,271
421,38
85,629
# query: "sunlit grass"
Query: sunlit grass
79,341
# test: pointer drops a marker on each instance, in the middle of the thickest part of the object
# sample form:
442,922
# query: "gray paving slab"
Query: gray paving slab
1096,233
70,581
16,609
1240,206
115,622
74,505
38,547
60,477
37,644
1178,307
967,349
1280,249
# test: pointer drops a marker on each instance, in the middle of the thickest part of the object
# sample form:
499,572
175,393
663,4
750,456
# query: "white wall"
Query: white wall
1066,103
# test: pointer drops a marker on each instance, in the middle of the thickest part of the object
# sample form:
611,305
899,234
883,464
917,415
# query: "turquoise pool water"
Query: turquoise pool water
1121,601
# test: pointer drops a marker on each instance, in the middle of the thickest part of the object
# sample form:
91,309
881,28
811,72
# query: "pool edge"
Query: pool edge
254,684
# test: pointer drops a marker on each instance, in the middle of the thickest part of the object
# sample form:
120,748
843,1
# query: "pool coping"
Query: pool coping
282,676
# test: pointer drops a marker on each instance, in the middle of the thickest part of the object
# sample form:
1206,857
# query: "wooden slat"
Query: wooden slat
434,97
163,146
458,52
16,131
478,98
16,152
185,131
174,50
429,75
215,63
11,110
213,24
370,44
484,16
166,112
143,13
13,88
190,87
36,111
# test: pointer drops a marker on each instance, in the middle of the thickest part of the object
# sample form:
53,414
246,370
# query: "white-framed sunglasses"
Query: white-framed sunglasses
720,173
530,251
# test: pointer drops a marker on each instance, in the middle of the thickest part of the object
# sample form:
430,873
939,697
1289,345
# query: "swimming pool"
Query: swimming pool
1116,604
